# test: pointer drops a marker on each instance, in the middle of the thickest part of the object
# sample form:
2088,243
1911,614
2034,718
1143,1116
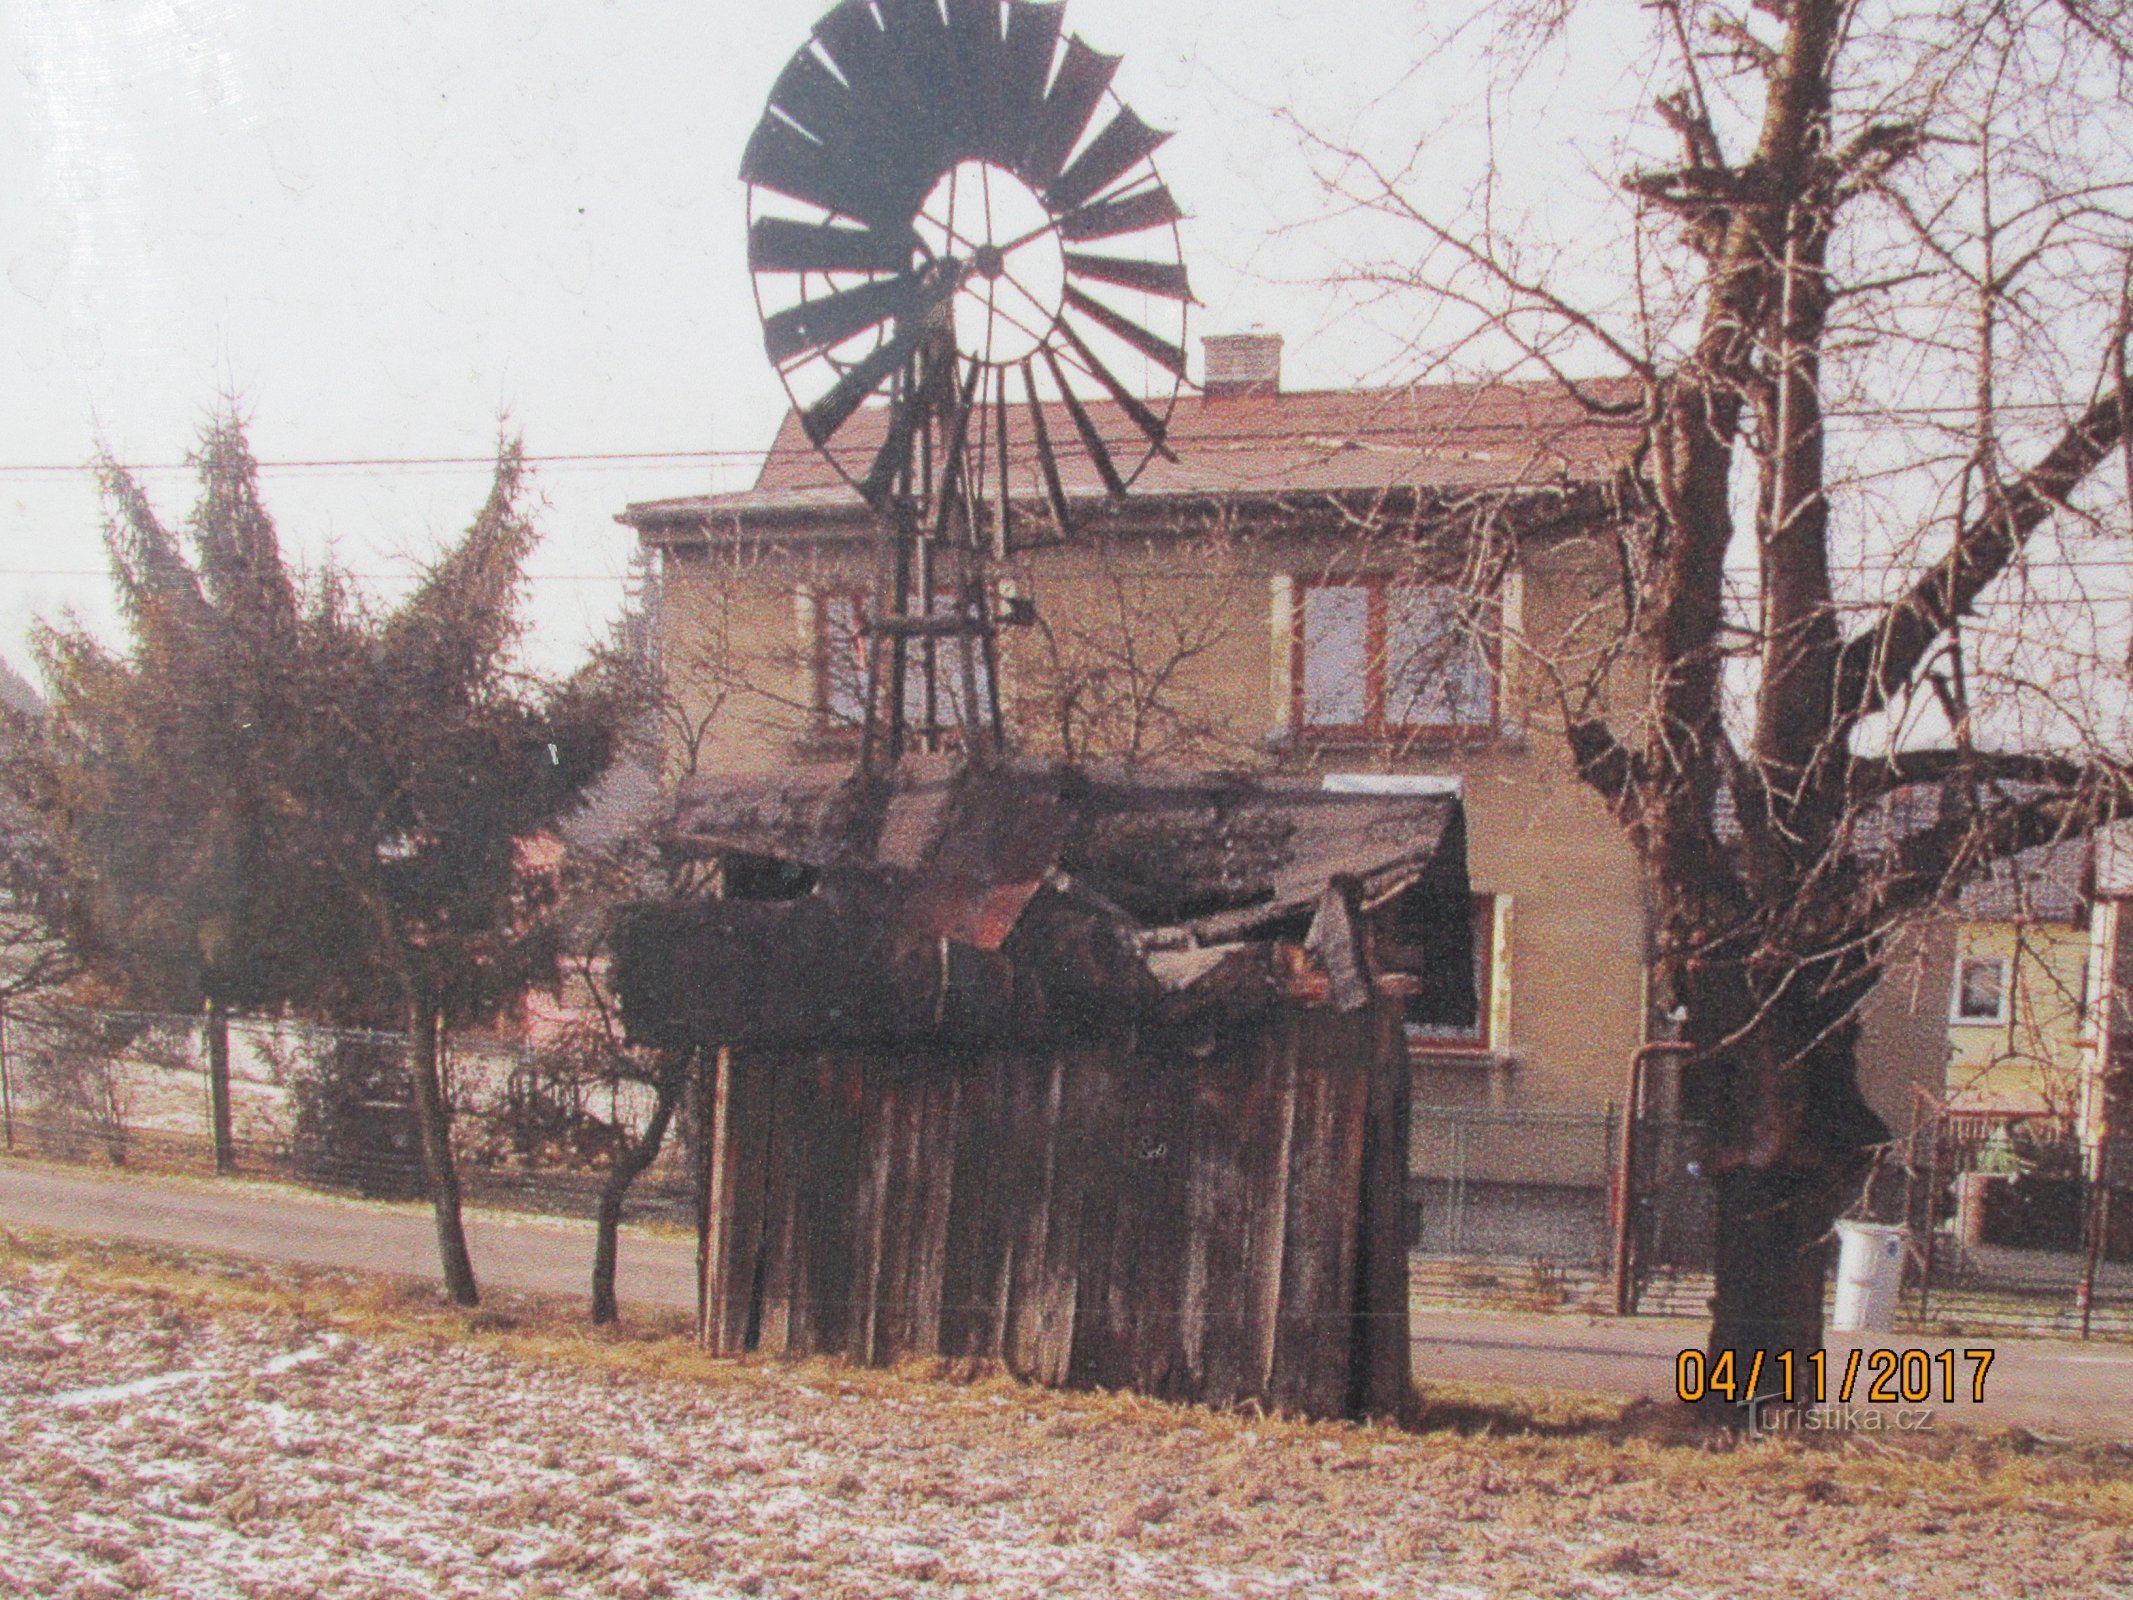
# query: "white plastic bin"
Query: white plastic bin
1869,1277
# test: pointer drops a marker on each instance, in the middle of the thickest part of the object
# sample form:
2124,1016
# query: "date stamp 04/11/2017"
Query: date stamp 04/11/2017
1892,1377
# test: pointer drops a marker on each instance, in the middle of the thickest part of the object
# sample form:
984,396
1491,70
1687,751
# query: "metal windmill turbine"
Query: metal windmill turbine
924,189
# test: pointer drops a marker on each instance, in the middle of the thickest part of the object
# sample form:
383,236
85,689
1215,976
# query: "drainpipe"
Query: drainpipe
1626,1170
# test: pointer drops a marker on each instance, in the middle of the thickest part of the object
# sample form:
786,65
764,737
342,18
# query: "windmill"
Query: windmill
947,206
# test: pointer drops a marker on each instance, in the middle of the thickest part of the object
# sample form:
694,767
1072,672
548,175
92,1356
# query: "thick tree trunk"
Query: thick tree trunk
218,1083
435,1118
1790,1140
1770,1262
630,1165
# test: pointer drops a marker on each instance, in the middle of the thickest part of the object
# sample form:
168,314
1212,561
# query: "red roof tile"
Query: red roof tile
1439,436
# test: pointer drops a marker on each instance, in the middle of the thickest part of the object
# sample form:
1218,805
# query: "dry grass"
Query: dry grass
941,1478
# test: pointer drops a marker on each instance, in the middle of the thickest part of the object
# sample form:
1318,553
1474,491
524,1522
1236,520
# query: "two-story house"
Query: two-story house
1360,582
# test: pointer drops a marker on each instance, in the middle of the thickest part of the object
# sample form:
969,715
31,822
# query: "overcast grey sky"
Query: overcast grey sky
383,226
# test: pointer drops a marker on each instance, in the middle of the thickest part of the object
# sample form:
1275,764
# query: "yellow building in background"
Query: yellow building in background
2019,1038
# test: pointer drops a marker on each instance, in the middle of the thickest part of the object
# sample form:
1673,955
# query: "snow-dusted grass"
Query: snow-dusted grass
181,1426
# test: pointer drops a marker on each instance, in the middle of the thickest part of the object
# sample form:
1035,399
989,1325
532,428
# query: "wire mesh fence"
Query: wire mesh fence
2015,1222
327,1106
2017,1229
1492,1182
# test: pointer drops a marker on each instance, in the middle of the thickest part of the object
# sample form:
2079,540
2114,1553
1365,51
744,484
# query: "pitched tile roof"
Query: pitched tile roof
2041,884
1344,441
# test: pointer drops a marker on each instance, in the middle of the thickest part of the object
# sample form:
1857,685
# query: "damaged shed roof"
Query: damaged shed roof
946,900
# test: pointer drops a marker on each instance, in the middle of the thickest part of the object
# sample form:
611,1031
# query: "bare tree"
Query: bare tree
629,1145
1868,326
1110,677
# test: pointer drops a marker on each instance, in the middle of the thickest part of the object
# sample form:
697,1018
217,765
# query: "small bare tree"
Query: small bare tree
1111,676
628,1144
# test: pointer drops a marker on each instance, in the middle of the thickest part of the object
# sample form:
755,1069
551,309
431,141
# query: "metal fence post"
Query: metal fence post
1933,1153
1623,1264
7,1087
1455,1208
2098,1217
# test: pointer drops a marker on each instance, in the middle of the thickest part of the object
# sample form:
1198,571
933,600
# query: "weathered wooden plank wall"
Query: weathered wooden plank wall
1215,1219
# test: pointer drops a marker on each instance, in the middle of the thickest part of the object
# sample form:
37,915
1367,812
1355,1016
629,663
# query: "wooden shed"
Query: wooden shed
1101,1076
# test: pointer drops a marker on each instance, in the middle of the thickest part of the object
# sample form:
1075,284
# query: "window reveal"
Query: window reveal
1491,1027
1981,989
1375,656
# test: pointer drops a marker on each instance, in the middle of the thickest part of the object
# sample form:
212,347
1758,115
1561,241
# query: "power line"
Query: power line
1313,436
577,458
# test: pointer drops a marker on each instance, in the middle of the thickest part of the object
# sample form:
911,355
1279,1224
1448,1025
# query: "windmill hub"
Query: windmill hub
986,217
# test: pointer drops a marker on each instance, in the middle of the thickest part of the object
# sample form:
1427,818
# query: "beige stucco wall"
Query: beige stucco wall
1205,612
1903,1027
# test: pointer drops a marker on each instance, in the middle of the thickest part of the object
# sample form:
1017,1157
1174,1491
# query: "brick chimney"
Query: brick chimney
1242,364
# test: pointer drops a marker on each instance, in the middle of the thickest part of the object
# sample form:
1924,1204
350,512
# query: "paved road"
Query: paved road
538,1254
2052,1386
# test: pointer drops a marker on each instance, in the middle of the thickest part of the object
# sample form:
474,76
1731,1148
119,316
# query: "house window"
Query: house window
1375,656
841,665
1490,1029
1980,989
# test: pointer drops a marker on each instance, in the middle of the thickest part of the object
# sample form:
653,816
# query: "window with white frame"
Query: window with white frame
841,665
1980,989
1375,655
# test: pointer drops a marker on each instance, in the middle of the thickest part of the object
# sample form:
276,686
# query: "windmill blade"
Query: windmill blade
1047,463
906,412
920,136
781,157
868,189
1166,278
814,97
891,150
1155,348
853,40
916,24
1083,77
779,244
821,420
1106,219
825,323
1125,142
974,28
1144,419
1092,442
1017,85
